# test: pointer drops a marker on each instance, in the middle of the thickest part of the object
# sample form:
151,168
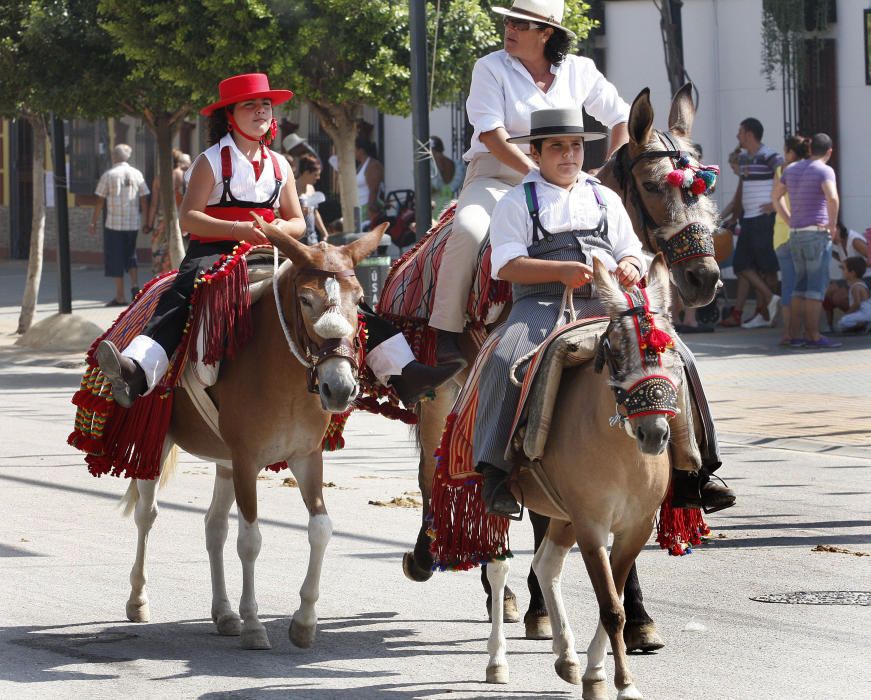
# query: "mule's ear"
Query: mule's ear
659,282
683,111
609,290
641,118
364,245
298,253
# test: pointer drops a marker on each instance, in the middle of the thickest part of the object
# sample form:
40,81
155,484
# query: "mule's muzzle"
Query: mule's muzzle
652,434
697,281
337,384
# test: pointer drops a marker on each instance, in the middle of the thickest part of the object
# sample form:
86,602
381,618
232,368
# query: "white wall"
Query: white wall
399,146
722,52
854,108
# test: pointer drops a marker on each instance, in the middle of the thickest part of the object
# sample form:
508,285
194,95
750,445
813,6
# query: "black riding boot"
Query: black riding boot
418,379
696,490
126,376
497,495
448,349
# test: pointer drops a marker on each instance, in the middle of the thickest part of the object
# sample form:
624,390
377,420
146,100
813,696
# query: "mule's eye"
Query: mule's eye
652,187
305,302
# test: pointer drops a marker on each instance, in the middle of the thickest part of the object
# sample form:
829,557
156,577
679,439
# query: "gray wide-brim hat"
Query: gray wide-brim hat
549,12
549,123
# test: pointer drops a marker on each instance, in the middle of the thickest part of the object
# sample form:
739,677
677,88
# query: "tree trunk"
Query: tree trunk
340,124
164,129
37,231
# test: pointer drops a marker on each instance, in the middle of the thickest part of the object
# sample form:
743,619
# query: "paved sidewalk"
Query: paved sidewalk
803,479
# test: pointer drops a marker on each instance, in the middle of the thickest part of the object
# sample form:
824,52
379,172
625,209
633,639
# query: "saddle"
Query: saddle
569,346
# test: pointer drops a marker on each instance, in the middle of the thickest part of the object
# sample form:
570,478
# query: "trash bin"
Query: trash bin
372,273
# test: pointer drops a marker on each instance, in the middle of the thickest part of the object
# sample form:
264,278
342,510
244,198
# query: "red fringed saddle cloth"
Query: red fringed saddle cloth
409,290
129,442
463,535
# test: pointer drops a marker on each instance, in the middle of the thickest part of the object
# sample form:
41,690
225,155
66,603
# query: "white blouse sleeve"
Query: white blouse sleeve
486,102
510,233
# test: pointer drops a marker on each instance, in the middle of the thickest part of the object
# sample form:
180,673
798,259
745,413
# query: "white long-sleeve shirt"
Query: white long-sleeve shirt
560,210
504,94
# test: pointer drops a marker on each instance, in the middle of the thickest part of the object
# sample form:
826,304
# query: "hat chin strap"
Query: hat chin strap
273,128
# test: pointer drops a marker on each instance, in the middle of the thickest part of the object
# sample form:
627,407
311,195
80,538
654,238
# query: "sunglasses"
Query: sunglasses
520,25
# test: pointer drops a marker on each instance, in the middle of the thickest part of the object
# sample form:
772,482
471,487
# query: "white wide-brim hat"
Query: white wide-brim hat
550,123
549,12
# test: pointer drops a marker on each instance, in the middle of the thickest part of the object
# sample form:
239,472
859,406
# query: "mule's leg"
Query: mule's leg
248,546
309,473
510,611
417,565
640,632
144,516
217,525
624,551
548,566
497,666
536,620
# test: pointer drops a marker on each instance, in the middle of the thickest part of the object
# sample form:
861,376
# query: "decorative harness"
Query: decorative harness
694,240
654,394
312,354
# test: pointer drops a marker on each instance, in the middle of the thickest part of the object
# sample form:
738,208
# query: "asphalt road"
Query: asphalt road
65,556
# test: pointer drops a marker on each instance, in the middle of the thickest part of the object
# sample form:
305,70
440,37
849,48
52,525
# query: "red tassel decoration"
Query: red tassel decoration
658,340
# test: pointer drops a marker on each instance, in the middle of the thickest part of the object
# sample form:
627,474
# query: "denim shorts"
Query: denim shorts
811,251
787,273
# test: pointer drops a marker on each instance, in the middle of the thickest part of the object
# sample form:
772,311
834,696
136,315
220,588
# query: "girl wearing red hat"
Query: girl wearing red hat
238,174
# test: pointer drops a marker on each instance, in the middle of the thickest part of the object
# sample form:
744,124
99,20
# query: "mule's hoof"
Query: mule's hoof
537,626
412,571
497,674
138,612
229,624
595,689
569,670
302,636
630,692
255,639
642,636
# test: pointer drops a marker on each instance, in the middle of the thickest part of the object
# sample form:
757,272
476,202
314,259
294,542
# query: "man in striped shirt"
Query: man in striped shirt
755,263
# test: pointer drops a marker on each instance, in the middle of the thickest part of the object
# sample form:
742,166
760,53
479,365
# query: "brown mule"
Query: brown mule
613,484
267,414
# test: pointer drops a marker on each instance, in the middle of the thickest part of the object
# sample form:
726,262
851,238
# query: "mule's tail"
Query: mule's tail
167,469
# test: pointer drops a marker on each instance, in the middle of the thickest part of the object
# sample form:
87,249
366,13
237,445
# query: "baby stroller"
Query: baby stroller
399,213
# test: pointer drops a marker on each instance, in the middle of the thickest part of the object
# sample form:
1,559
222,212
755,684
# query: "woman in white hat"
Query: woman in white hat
534,70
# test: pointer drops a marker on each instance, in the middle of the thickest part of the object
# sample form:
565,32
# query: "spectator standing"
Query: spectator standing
308,173
370,180
812,215
755,263
122,190
160,258
443,171
796,148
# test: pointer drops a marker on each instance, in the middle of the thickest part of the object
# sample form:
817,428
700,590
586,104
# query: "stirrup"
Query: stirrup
715,509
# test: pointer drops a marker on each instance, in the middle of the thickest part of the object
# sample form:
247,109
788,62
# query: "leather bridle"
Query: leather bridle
654,394
304,348
692,241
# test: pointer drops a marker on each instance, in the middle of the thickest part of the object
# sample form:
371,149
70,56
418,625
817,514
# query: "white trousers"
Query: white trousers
487,181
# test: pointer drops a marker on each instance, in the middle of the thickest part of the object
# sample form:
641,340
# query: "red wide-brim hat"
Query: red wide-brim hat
249,86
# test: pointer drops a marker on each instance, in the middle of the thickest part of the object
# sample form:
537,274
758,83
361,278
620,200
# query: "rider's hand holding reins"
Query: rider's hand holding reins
575,274
627,273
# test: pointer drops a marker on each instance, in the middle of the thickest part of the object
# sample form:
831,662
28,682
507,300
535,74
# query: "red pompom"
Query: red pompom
675,177
698,187
658,340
